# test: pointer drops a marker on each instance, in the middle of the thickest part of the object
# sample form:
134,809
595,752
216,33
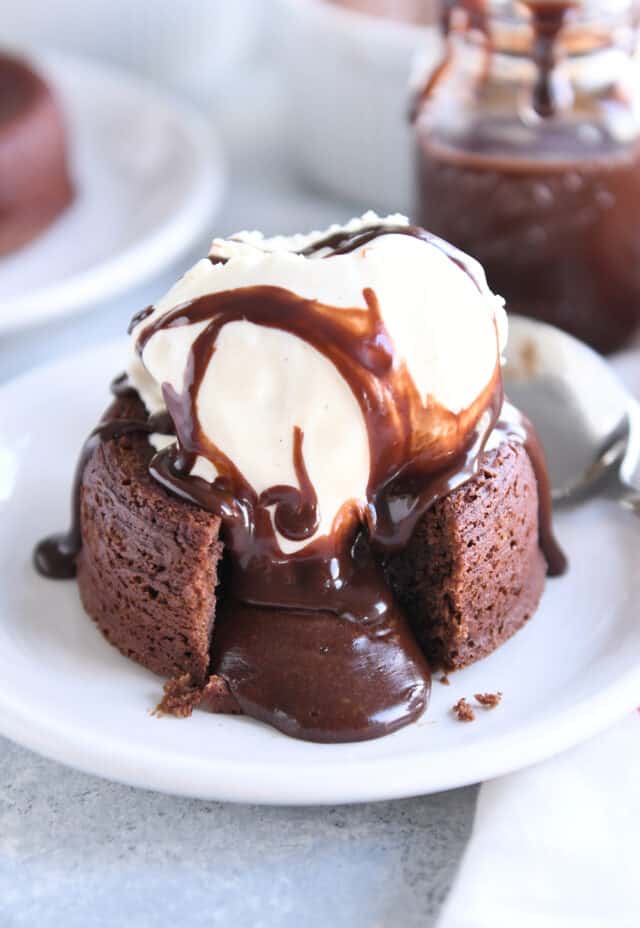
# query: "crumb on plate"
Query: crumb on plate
463,711
488,700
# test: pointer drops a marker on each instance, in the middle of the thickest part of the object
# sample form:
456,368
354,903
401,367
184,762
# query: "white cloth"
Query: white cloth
556,846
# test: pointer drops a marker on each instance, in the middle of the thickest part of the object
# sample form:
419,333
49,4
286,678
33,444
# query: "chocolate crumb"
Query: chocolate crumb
445,679
182,696
463,711
488,700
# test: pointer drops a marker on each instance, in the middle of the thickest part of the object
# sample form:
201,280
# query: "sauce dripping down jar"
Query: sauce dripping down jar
528,157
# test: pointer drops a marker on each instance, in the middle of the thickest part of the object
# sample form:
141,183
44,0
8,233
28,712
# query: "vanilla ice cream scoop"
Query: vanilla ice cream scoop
325,364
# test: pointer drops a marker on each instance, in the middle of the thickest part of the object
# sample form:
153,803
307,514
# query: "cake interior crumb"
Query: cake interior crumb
180,697
488,700
445,679
463,711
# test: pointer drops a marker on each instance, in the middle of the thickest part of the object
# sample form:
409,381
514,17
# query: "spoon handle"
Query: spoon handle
630,499
629,474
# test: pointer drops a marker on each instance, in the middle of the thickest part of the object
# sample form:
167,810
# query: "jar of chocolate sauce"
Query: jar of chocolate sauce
528,137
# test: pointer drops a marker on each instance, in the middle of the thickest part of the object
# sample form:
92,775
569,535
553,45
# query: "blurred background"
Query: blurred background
296,115
254,67
299,139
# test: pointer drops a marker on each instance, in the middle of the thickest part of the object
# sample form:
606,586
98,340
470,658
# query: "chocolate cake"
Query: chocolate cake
471,576
304,537
34,179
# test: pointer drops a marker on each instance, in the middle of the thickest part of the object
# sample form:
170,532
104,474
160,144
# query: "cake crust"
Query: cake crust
149,563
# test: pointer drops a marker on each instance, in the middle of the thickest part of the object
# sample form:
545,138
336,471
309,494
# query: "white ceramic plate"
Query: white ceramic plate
148,175
66,693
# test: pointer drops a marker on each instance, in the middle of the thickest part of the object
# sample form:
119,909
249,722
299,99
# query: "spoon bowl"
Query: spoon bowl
588,423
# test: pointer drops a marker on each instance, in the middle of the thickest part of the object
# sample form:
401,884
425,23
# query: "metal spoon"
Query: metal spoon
588,423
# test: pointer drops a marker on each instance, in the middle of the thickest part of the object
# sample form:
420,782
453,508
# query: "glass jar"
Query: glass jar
528,139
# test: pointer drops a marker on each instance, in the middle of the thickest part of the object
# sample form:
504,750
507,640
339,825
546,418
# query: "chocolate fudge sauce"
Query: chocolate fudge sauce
548,21
555,220
313,642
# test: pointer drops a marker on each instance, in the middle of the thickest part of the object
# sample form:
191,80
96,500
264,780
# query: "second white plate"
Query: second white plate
573,670
148,173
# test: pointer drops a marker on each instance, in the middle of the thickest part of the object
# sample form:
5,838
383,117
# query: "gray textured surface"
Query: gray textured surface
78,852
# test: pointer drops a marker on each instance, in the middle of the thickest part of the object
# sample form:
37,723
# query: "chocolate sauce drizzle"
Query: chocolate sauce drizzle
475,20
313,642
55,556
138,318
344,242
548,18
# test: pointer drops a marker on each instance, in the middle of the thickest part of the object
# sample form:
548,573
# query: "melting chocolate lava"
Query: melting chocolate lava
312,642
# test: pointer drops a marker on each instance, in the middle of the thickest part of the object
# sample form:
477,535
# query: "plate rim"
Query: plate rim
139,261
337,781
329,784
